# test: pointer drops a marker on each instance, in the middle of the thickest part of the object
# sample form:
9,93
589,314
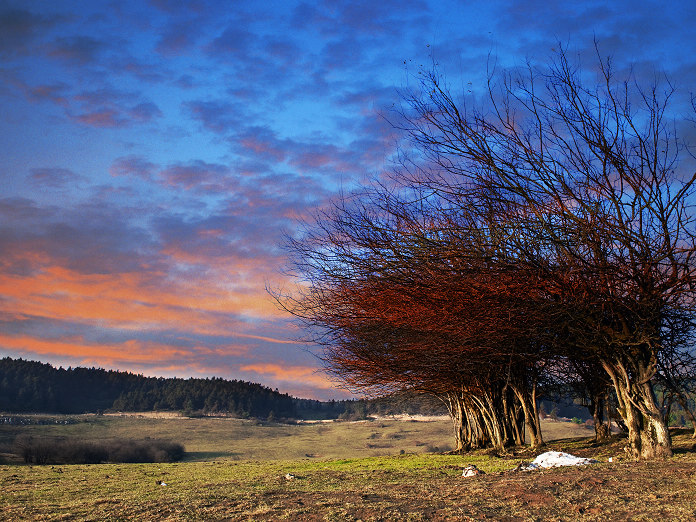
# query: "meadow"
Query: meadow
369,470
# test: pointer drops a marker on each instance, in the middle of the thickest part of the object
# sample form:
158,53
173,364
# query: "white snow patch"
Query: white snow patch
471,471
554,459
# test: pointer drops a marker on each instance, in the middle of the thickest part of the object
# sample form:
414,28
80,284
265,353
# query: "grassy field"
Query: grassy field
224,439
244,470
219,439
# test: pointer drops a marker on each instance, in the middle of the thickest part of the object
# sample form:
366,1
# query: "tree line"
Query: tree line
541,238
30,386
35,387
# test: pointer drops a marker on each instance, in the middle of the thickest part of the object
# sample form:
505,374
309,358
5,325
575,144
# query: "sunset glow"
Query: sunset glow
155,153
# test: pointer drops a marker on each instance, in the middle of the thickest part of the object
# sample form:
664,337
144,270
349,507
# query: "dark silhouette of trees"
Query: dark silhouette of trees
28,386
551,226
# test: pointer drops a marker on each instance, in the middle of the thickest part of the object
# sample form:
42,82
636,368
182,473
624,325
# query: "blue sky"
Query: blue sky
155,151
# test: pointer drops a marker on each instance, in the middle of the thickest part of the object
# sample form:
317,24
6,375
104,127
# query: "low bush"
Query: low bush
51,450
430,448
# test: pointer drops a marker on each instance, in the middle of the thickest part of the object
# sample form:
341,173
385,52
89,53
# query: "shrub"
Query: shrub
50,450
431,448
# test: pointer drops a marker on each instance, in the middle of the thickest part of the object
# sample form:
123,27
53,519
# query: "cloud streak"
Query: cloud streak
156,152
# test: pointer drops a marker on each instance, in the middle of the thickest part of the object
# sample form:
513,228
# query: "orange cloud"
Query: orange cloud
187,313
136,301
304,374
131,350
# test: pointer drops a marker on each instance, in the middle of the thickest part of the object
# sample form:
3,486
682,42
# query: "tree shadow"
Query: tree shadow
207,456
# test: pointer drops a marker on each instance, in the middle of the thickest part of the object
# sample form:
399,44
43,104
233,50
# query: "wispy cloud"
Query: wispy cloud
19,29
217,116
303,374
78,49
154,153
55,177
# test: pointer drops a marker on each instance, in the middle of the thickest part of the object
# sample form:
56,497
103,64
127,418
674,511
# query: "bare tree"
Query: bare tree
553,224
404,293
593,175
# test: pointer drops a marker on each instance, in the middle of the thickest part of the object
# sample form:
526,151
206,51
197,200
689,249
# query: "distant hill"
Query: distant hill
35,387
30,386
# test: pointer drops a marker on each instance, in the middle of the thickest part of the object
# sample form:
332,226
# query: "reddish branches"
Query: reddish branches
554,229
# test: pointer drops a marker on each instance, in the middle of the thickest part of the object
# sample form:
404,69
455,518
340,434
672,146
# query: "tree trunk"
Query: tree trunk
480,438
531,416
657,441
511,410
632,419
648,436
491,421
685,406
455,407
602,430
458,424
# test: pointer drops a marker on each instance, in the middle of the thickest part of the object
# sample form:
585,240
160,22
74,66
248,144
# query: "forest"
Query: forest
35,387
29,386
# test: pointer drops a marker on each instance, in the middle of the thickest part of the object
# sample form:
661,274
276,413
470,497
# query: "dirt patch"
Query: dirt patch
409,487
622,490
148,414
630,491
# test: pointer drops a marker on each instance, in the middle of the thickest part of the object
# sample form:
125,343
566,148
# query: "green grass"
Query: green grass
198,488
401,487
32,490
236,470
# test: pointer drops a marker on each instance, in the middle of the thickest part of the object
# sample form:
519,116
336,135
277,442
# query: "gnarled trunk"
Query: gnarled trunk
459,425
648,435
514,420
466,422
687,411
528,401
602,430
492,424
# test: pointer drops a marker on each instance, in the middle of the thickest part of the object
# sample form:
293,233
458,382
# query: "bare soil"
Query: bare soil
633,491
619,490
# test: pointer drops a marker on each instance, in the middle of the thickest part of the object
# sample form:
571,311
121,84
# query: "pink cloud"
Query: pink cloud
197,174
263,146
313,160
132,166
104,118
306,374
177,40
144,111
78,49
109,108
54,177
19,29
54,93
217,116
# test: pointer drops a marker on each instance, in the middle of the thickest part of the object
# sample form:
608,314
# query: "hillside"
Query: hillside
35,387
30,386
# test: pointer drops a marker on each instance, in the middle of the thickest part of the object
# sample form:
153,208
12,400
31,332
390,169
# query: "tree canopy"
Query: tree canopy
549,228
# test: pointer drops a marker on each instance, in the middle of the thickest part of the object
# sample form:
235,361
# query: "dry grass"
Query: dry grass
208,439
354,486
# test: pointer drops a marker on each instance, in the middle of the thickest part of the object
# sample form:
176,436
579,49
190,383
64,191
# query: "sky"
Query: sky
154,152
